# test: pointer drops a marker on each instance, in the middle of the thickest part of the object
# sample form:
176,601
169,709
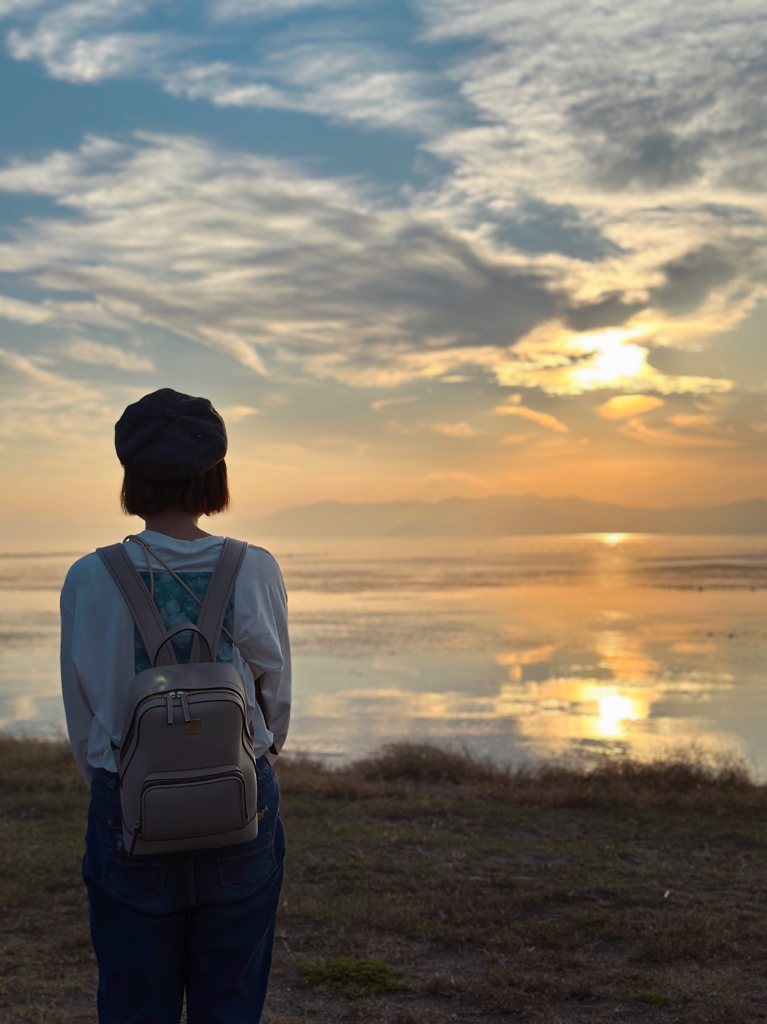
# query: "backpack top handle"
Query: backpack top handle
183,627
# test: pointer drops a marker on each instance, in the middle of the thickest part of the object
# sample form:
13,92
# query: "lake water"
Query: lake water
519,648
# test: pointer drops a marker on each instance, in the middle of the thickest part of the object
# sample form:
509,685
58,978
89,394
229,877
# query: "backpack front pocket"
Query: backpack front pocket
186,805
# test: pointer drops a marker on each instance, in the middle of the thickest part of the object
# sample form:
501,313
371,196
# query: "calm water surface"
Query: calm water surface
520,648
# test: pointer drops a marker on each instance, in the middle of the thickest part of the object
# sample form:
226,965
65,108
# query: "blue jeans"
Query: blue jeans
200,922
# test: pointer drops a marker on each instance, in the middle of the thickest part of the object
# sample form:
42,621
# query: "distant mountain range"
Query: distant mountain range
508,515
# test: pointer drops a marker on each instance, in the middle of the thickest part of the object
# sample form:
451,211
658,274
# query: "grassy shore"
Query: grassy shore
425,887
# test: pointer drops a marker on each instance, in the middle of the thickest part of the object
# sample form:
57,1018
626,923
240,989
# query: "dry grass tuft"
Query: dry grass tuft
683,782
426,763
32,764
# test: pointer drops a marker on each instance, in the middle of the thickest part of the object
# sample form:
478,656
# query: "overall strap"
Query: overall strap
210,620
140,604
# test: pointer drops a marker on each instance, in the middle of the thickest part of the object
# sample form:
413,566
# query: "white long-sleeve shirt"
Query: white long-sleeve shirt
101,650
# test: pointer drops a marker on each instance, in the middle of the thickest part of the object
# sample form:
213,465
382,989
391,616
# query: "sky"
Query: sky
408,249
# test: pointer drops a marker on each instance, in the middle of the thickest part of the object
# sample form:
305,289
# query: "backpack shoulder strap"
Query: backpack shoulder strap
140,604
210,621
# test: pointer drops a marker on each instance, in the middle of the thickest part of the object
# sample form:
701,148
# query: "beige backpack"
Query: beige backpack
185,758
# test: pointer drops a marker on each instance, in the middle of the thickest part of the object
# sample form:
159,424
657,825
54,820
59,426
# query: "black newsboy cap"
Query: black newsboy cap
170,436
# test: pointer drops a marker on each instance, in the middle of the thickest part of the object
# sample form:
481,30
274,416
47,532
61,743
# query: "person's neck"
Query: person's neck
175,524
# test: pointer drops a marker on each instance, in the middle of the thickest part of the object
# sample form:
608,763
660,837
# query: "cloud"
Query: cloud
11,6
691,278
291,274
384,403
622,406
695,421
647,134
88,41
606,311
666,437
106,355
563,362
600,173
117,55
238,413
77,41
237,10
541,418
626,95
253,258
38,404
343,81
459,429
23,312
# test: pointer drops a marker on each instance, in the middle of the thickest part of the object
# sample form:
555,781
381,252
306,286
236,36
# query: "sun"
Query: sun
611,360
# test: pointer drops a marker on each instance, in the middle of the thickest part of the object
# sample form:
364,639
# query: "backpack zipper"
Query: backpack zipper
184,705
168,697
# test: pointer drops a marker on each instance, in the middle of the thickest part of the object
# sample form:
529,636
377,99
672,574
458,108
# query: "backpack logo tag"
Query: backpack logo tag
192,728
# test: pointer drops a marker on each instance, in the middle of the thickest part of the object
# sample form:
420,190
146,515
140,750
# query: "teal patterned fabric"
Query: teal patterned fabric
175,606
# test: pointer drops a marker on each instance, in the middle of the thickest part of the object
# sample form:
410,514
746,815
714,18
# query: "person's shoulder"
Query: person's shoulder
261,568
84,577
84,569
260,560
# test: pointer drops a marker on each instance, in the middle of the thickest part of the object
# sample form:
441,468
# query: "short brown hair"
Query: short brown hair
202,495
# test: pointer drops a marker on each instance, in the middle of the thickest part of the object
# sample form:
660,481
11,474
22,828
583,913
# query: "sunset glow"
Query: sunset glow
612,540
406,257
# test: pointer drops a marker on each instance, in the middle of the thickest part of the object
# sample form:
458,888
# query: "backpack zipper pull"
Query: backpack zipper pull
184,705
169,700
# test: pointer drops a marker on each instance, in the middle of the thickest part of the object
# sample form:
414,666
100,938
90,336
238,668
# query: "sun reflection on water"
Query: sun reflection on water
612,540
615,709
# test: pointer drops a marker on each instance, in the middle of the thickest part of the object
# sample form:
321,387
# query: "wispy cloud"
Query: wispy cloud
621,407
601,196
36,403
669,437
97,354
23,312
458,429
383,403
11,6
251,257
238,10
342,81
239,413
543,419
618,149
77,41
116,55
